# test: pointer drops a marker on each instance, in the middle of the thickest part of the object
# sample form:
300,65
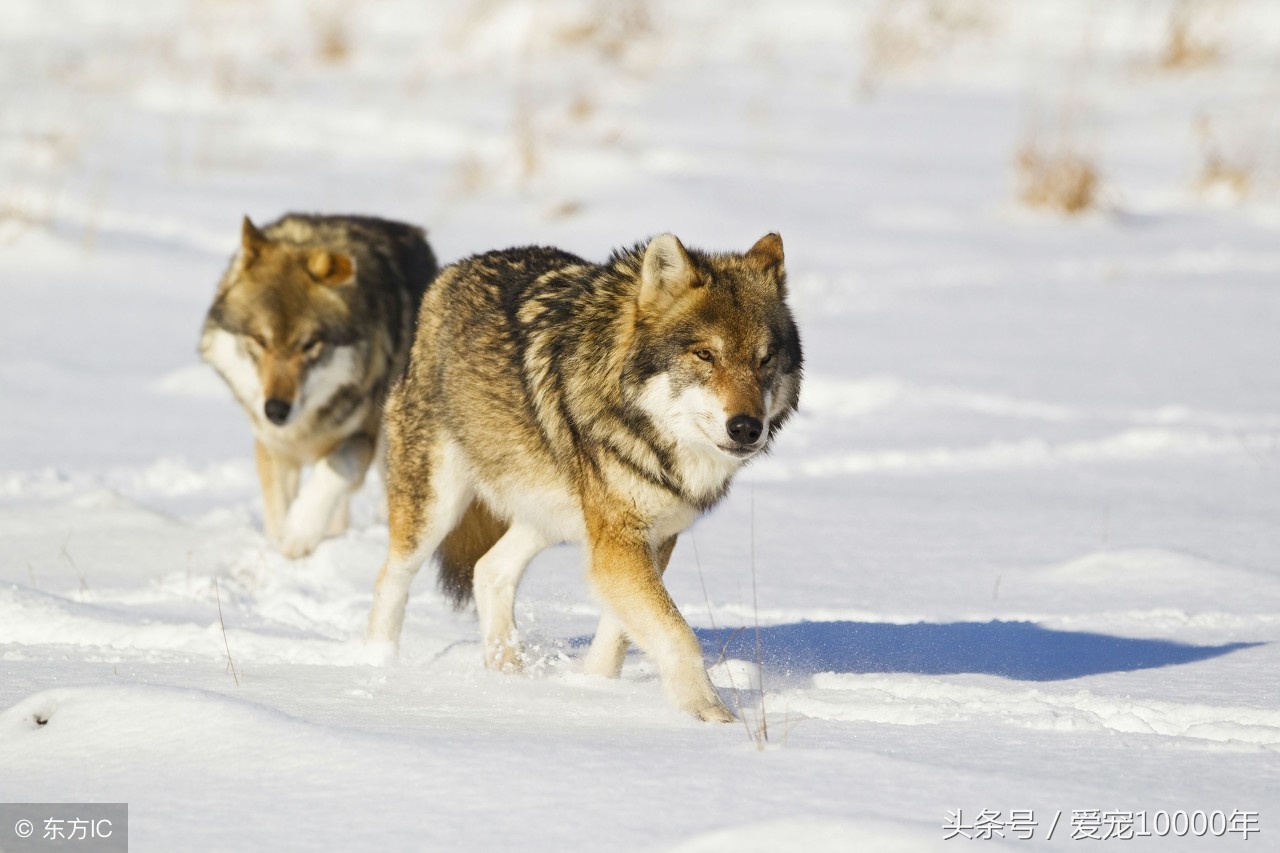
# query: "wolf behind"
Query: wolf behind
549,399
311,324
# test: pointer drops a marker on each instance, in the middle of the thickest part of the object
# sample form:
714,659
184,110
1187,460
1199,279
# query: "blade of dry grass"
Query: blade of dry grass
231,664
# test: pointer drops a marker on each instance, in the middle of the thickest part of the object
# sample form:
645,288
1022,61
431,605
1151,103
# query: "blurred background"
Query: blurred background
595,122
963,185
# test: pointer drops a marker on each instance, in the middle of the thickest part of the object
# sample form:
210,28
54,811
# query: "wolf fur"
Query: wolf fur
312,322
550,399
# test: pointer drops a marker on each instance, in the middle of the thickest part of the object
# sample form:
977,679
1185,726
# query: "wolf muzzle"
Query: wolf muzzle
744,429
277,410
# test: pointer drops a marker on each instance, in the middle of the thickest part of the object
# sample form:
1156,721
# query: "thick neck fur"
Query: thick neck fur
627,378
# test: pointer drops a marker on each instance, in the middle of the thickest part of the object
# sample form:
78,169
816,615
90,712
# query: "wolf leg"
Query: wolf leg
624,571
341,517
380,460
279,478
421,512
497,574
609,647
336,476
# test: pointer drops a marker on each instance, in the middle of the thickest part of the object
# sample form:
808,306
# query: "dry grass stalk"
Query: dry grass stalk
565,209
1062,179
581,108
334,39
903,33
762,718
26,200
469,176
18,213
526,141
756,724
611,29
1220,171
231,664
1188,45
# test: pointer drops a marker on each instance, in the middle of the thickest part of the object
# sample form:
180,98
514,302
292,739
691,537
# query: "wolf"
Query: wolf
549,399
310,326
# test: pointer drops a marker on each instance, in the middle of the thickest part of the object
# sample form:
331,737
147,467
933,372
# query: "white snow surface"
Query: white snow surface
1020,549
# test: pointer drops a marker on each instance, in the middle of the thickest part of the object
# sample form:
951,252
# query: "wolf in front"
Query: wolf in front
311,324
550,399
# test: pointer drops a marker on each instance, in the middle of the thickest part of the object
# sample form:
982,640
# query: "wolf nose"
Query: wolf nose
277,410
744,429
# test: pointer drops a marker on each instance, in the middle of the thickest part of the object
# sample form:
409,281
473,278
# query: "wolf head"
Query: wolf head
279,328
715,360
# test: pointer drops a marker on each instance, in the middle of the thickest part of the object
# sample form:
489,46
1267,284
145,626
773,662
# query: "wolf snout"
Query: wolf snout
277,410
744,429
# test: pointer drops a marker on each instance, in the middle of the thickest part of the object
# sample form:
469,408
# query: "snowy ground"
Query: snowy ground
1019,551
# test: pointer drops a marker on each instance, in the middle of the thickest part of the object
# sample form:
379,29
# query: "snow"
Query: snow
1017,551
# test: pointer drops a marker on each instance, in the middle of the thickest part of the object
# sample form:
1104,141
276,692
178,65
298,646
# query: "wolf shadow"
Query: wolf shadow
1021,651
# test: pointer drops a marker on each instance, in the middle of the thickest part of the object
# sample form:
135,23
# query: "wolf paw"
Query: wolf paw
297,544
377,653
504,656
604,660
602,667
716,713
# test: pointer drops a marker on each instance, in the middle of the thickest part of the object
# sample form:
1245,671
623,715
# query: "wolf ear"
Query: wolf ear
766,256
667,274
331,268
252,240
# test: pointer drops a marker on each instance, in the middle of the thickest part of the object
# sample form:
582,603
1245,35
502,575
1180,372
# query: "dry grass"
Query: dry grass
610,30
900,34
65,554
761,733
1190,42
231,664
565,209
1221,172
755,719
1054,170
549,121
21,209
581,108
469,176
32,177
1057,178
333,35
527,140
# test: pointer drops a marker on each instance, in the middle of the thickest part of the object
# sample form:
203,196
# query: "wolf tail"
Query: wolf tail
476,532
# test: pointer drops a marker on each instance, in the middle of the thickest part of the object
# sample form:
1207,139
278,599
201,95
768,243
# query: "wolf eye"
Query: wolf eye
313,347
768,357
259,340
705,355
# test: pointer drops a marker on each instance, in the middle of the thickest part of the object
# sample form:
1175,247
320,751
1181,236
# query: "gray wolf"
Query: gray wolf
311,324
550,399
